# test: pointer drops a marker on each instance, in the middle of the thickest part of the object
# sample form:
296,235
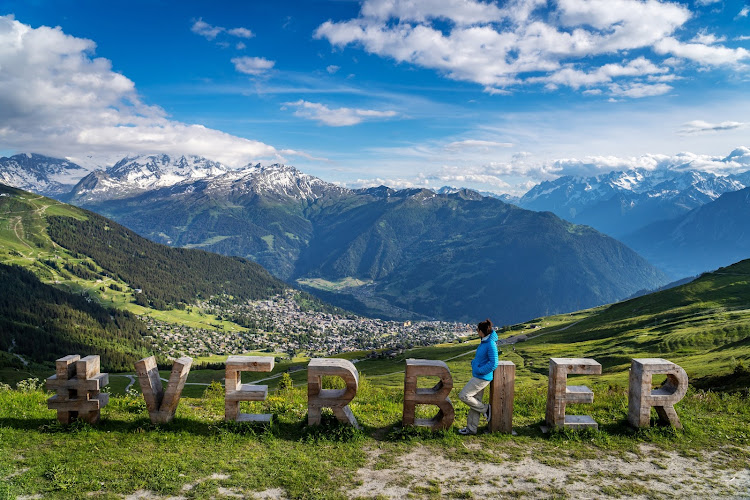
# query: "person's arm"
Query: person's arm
492,360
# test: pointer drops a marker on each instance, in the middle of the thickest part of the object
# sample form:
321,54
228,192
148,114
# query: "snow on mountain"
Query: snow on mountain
507,198
135,174
155,171
620,202
132,176
277,180
570,195
40,174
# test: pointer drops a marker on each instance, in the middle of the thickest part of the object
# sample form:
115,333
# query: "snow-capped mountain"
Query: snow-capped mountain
40,174
135,174
620,202
507,198
154,171
281,181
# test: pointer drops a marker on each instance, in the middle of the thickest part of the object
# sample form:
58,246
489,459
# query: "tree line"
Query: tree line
166,276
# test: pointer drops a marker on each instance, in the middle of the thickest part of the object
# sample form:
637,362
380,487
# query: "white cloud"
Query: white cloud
202,28
575,78
706,2
744,12
210,32
708,38
462,12
700,126
252,65
240,46
566,42
332,69
477,144
336,117
395,183
639,90
709,55
57,98
495,173
241,32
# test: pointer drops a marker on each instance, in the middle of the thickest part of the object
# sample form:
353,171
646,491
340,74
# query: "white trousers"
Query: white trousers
472,394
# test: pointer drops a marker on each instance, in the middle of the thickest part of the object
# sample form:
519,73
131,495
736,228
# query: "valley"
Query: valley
256,314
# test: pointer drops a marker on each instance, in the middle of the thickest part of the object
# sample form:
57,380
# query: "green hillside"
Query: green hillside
44,323
83,266
704,326
61,241
166,276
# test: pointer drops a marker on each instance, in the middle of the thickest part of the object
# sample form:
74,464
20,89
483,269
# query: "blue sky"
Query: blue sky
491,95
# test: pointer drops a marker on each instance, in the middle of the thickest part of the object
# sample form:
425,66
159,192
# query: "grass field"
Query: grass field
201,456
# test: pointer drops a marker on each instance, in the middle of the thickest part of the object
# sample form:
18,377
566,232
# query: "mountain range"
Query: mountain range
622,202
40,174
399,254
409,253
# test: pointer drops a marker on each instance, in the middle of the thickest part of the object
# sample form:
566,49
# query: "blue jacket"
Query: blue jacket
485,360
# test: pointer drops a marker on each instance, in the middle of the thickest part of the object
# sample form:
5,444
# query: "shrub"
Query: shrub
286,382
29,385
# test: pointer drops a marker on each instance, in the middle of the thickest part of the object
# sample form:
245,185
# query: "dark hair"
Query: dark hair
485,326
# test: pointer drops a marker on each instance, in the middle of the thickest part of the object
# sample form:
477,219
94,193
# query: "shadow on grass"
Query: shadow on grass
331,430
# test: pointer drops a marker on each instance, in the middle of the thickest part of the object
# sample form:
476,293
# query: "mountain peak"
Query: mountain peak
277,180
40,173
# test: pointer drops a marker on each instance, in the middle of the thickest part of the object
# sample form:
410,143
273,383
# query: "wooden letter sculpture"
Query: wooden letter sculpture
235,391
162,406
437,396
78,384
502,392
336,399
560,394
641,398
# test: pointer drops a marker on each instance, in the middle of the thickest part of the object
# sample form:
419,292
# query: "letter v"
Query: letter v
162,405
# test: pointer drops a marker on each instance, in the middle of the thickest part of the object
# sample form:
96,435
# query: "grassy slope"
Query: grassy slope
703,326
24,241
125,453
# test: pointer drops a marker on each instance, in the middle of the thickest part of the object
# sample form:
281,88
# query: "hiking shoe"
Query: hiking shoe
488,413
464,431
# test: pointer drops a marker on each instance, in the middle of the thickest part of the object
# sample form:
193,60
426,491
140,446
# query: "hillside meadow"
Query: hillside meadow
199,455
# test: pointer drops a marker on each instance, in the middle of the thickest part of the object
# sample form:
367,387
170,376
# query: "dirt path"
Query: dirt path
516,338
16,222
10,350
651,474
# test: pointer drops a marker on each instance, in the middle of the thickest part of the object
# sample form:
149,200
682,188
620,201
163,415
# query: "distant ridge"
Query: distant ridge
621,202
39,173
713,235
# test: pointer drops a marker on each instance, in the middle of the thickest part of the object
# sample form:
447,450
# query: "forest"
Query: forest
45,323
167,277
